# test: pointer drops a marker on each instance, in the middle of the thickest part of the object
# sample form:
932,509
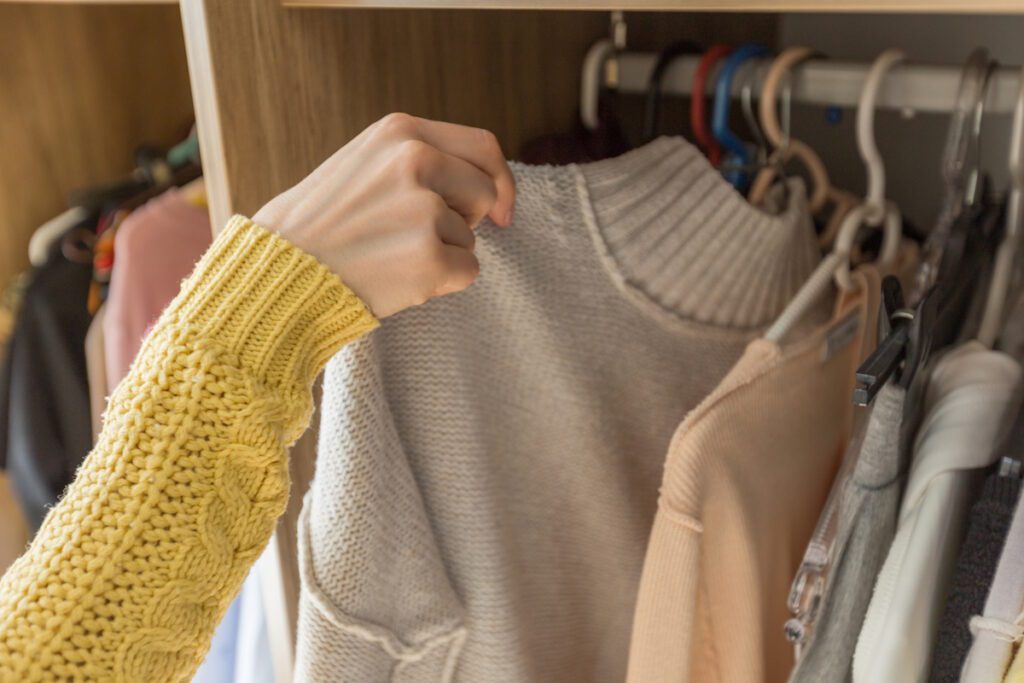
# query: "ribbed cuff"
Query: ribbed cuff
276,307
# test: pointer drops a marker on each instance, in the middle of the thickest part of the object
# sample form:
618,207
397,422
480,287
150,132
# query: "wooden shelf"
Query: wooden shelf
867,6
89,2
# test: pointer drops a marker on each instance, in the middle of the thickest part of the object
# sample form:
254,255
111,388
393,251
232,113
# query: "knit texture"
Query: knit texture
134,567
867,513
746,476
975,568
489,462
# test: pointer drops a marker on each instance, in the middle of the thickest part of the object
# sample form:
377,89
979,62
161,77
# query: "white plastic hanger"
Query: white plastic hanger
591,81
594,64
1002,271
50,231
874,211
875,200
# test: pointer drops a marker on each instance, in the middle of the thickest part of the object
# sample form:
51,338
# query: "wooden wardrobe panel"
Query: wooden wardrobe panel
292,85
279,90
80,88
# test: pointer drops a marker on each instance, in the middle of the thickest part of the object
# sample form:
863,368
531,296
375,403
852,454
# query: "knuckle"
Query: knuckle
434,208
414,159
489,140
397,125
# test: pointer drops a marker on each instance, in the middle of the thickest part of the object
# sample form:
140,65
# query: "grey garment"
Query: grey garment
976,566
867,513
489,462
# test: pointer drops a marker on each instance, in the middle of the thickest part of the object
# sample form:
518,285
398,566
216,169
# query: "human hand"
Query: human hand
392,212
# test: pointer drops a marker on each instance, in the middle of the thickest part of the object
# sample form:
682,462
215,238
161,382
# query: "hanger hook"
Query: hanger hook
1016,163
747,104
960,155
777,73
664,61
723,97
1006,256
892,232
698,101
591,81
786,147
875,199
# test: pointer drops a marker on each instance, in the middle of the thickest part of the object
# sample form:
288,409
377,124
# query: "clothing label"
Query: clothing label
841,334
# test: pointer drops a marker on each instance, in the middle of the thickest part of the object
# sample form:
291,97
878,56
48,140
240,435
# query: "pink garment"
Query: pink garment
155,249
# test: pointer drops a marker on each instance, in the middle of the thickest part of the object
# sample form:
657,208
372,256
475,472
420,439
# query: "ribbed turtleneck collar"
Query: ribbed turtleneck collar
676,233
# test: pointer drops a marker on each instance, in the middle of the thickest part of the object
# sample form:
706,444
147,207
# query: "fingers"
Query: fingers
465,188
473,145
453,229
460,267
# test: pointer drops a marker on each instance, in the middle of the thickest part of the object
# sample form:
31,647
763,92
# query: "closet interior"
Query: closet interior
273,87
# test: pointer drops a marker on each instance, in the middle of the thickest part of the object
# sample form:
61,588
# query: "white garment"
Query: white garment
991,650
971,394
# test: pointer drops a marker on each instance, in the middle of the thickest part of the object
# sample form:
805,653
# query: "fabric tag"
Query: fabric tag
841,334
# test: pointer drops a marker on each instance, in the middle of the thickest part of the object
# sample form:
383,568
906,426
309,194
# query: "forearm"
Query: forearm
133,569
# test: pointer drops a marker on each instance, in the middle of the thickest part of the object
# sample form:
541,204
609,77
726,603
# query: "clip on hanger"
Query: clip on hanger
1002,272
960,165
698,101
739,157
665,59
938,316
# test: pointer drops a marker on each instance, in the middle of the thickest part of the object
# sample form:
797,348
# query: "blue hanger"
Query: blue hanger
739,153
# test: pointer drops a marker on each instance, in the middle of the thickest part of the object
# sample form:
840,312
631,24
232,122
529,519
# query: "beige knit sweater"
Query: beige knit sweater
489,462
746,478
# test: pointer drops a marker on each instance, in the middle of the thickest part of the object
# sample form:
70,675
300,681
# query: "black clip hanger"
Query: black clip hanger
910,336
895,323
665,59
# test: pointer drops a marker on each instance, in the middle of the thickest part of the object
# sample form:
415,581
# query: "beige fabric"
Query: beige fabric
747,473
96,367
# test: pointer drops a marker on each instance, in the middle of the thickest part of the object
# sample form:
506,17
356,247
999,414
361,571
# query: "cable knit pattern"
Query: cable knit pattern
135,566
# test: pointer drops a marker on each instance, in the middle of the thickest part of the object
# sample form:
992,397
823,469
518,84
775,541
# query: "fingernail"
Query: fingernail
508,218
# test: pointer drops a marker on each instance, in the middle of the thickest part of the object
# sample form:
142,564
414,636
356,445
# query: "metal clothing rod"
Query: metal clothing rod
909,87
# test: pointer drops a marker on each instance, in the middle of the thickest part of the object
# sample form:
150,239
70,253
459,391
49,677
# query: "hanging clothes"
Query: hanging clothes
868,507
745,478
47,432
489,464
156,247
993,645
971,392
975,569
14,532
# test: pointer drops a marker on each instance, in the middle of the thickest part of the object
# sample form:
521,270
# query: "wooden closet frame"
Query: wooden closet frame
277,86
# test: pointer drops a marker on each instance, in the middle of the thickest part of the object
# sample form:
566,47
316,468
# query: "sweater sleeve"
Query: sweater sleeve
132,570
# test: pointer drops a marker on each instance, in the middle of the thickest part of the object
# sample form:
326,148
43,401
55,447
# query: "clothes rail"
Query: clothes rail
909,87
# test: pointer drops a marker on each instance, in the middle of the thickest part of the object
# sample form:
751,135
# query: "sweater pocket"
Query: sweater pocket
376,604
336,645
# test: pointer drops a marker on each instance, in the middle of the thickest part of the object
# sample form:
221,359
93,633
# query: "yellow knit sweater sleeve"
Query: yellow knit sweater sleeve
135,566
